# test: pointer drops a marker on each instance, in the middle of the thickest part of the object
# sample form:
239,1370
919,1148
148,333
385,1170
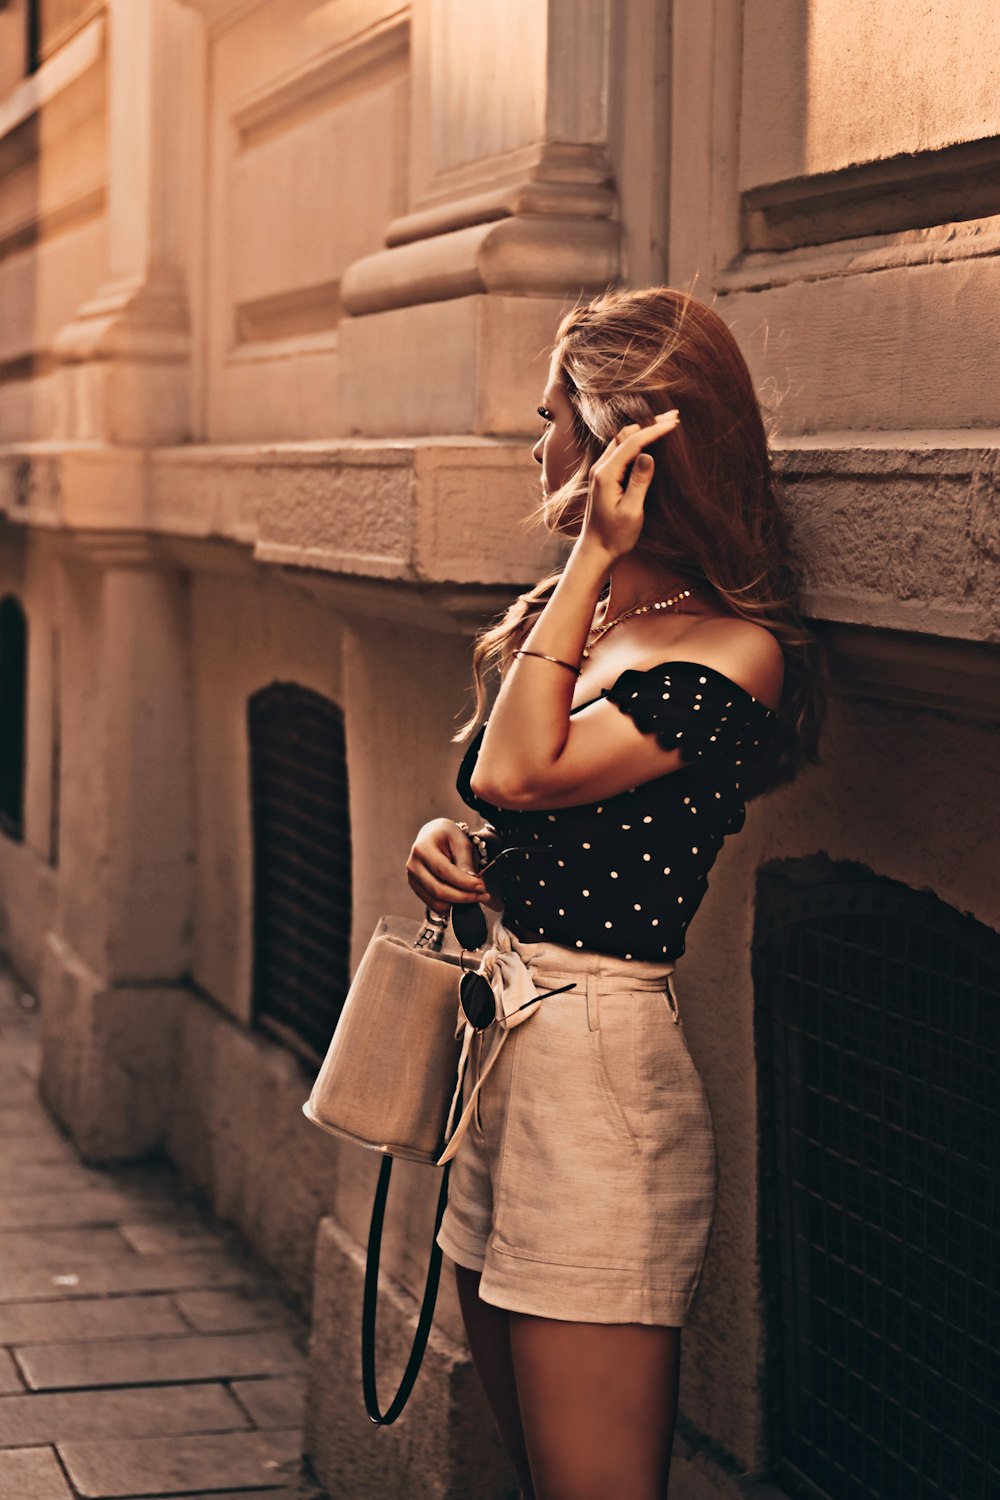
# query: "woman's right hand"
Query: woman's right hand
441,867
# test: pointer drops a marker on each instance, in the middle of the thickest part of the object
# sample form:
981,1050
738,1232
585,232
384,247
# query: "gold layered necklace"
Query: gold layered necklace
639,609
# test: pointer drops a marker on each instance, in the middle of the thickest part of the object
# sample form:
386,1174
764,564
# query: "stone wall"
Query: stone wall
278,280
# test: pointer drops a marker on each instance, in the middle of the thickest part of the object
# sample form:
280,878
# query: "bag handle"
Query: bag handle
383,1419
430,937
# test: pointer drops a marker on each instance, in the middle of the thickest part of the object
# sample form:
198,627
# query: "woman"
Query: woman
667,678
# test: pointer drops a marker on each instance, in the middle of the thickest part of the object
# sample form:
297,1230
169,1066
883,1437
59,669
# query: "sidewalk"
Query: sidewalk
143,1351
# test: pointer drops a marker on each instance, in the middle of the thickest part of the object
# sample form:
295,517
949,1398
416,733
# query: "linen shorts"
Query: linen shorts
584,1187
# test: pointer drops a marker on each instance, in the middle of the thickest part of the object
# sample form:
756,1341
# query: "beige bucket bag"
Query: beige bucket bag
387,1084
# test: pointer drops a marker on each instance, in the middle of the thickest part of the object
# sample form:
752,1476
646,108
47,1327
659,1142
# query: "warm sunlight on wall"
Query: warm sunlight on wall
828,85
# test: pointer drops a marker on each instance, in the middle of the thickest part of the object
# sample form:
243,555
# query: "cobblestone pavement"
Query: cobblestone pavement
143,1350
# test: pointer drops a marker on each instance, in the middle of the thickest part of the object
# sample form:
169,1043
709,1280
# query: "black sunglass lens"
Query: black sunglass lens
478,1000
469,924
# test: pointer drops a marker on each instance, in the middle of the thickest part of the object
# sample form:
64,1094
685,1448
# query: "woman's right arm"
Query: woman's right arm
441,867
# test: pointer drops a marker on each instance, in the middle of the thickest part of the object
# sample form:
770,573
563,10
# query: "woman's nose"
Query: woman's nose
536,452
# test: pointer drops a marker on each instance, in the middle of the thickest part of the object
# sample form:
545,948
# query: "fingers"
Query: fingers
442,884
439,895
631,440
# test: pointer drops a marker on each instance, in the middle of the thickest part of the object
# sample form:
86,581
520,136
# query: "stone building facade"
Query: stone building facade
277,284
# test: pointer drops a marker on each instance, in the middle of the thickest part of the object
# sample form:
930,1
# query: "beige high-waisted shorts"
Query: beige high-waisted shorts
584,1182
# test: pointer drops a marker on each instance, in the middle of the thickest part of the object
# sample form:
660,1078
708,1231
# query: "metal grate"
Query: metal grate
878,1012
302,865
13,682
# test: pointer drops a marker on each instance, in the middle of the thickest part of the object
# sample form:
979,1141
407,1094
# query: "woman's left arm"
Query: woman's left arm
530,721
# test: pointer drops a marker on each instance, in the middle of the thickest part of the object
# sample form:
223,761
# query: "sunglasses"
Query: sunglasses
468,922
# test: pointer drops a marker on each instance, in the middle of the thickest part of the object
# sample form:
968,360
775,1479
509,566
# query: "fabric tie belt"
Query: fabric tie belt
511,981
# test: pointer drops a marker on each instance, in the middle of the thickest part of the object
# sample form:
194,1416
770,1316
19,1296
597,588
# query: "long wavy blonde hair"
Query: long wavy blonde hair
715,512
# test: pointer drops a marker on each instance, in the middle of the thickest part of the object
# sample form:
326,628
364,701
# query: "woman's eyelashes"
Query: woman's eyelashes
545,414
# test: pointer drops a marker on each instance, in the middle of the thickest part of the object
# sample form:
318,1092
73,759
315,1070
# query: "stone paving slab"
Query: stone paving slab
25,1177
10,1379
23,1247
165,1238
101,1470
54,1148
92,1208
28,1119
90,1318
141,1411
33,1474
278,1401
165,1361
126,1273
235,1311
214,1356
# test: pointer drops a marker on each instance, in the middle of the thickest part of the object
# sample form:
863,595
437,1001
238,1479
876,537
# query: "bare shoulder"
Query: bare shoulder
749,654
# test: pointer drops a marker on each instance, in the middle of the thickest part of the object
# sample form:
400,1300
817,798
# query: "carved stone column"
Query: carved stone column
119,948
126,352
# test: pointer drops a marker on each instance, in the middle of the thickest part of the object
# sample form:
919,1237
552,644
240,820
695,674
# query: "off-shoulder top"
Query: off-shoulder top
626,875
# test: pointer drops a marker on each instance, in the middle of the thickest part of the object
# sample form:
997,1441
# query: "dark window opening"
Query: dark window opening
878,1033
302,866
33,36
13,683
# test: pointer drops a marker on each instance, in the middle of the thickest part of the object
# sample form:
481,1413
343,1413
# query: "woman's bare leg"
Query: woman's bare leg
488,1330
598,1403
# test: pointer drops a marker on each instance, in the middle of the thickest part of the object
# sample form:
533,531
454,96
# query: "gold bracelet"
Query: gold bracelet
543,657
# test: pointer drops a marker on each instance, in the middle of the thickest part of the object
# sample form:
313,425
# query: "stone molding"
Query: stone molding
893,195
762,270
219,13
298,505
139,318
895,533
553,178
533,256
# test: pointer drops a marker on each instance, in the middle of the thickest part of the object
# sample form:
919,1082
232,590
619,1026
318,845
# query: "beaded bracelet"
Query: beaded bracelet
478,843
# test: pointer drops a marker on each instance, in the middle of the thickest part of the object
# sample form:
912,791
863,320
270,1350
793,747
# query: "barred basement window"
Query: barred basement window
13,681
878,1028
302,865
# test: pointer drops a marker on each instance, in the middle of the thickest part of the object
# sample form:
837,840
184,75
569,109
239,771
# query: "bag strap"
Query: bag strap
371,1297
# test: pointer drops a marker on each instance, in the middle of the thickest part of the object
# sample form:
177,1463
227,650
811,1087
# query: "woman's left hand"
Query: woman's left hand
614,514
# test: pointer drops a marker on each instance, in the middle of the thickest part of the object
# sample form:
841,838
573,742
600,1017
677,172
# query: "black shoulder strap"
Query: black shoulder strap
371,1298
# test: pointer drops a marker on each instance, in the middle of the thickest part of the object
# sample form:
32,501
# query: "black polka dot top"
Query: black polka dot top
626,875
